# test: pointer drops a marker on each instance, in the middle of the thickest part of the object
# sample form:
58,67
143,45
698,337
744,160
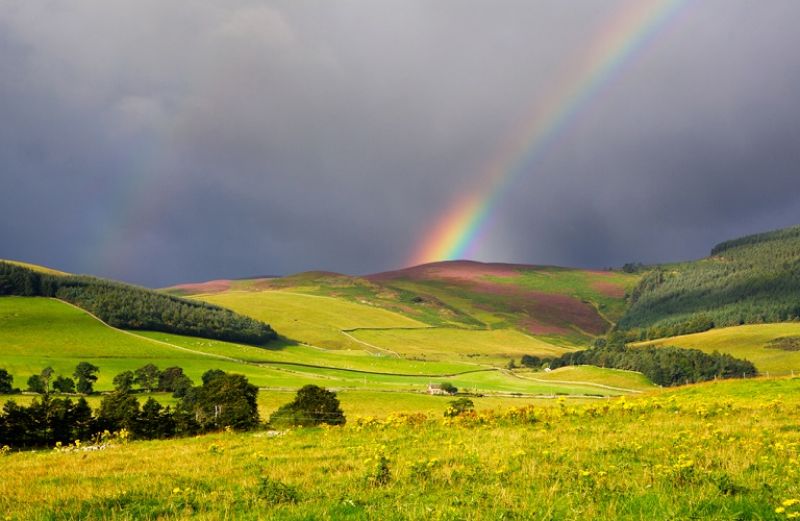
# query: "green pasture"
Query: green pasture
590,374
310,319
496,346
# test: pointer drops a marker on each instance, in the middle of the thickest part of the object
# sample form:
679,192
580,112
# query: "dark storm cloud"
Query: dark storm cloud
165,142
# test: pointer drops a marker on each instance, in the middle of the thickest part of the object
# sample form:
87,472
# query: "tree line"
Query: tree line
131,307
666,366
221,401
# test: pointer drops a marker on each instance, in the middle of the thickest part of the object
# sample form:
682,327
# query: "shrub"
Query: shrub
448,388
459,407
312,405
275,492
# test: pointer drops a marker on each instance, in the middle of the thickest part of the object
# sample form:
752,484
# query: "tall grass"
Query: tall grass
714,451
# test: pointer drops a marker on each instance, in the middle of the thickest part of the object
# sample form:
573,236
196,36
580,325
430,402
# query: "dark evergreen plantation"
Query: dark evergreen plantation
665,366
749,280
130,307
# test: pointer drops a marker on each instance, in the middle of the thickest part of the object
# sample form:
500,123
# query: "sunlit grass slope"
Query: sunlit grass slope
716,451
310,319
590,374
749,342
490,346
36,267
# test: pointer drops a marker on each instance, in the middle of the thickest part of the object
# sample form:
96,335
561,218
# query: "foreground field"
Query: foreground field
750,342
725,450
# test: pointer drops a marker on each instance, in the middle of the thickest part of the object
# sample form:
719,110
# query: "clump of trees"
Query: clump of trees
311,406
46,382
132,307
666,366
535,362
223,400
46,421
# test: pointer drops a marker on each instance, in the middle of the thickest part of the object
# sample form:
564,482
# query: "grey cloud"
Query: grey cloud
164,142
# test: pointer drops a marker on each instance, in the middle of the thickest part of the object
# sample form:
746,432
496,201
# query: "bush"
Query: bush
448,388
459,407
274,492
312,405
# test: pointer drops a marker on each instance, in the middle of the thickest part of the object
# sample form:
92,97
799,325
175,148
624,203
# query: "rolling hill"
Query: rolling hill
536,306
37,332
133,307
462,321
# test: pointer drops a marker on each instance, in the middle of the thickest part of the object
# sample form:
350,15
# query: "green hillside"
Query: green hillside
754,279
37,332
132,307
312,319
560,306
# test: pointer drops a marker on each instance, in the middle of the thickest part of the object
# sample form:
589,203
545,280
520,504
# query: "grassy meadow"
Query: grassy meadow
311,319
726,450
492,346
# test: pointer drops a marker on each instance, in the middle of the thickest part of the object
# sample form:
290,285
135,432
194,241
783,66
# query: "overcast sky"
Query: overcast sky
163,142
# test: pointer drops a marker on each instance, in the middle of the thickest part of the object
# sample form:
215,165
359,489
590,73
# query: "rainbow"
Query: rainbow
460,230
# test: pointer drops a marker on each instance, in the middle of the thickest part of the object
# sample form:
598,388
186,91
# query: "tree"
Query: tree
147,377
36,384
123,382
155,421
225,400
118,410
86,375
64,384
312,405
6,382
173,380
209,375
46,375
448,388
